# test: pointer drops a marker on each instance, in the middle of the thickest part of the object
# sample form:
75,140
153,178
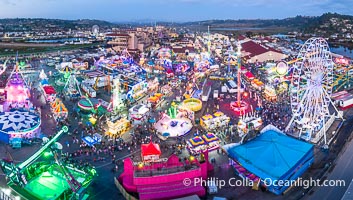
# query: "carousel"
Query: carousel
17,125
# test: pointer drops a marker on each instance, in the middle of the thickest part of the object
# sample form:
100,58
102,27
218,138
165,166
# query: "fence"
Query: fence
123,191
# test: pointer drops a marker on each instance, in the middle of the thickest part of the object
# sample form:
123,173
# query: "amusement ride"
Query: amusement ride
311,87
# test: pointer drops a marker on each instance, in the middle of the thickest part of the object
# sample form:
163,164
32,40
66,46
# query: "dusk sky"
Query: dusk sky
170,10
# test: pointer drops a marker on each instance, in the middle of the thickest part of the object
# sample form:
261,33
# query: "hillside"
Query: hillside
29,24
324,25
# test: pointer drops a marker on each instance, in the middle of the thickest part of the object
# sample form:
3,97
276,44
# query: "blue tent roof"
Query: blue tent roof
271,155
44,81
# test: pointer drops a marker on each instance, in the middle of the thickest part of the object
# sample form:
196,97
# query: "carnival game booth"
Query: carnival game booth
17,125
245,124
167,175
49,92
155,99
91,141
150,152
213,142
138,112
166,90
257,84
137,91
196,145
270,93
249,76
59,110
117,127
271,156
215,121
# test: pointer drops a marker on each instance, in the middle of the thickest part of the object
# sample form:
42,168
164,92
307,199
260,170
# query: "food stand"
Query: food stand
155,99
270,93
244,125
166,90
215,121
138,112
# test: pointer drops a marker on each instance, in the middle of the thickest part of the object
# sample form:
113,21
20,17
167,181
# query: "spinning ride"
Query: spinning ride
239,105
40,177
311,88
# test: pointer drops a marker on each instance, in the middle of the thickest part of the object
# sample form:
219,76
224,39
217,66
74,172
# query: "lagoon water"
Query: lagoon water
342,51
61,40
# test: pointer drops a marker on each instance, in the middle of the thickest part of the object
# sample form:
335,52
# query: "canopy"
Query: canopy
58,106
48,89
44,82
249,75
150,149
196,141
272,154
218,114
210,137
207,117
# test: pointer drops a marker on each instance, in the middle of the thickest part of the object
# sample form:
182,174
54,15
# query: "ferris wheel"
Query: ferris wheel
311,87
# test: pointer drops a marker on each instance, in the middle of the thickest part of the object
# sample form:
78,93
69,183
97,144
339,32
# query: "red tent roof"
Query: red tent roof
49,89
249,75
150,149
256,49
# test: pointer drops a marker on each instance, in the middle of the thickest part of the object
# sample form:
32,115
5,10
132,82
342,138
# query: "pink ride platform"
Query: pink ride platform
164,180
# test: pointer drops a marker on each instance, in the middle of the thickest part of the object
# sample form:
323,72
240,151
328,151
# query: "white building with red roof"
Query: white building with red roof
255,52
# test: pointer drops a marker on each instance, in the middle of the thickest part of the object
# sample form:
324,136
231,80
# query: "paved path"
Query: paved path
340,170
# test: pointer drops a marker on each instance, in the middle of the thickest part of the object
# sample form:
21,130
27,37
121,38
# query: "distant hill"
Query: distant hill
326,24
32,24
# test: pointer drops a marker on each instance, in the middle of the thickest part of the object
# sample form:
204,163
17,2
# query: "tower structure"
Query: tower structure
238,73
117,100
239,105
